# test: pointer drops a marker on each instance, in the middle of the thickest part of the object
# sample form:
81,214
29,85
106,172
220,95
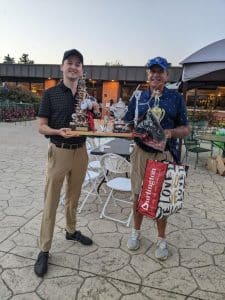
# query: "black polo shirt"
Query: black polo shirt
58,105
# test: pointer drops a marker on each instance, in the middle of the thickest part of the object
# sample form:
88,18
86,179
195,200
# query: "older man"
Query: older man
169,107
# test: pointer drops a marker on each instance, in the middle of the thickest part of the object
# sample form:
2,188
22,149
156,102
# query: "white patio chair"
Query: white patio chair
94,162
90,187
116,165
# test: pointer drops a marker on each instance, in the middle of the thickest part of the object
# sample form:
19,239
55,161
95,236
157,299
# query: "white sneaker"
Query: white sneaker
133,242
161,251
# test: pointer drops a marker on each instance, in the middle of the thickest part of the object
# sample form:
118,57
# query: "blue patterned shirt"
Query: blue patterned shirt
173,109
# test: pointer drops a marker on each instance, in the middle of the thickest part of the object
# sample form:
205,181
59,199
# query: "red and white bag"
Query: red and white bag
162,189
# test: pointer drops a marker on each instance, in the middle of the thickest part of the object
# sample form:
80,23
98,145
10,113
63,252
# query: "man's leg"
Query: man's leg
137,216
161,226
58,163
133,242
74,183
52,195
75,180
138,160
161,251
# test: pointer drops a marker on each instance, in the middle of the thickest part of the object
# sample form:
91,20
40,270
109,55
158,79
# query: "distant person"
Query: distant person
100,107
67,157
120,100
169,106
111,107
5,90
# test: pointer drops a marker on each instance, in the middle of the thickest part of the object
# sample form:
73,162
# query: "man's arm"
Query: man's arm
130,114
181,130
178,132
43,128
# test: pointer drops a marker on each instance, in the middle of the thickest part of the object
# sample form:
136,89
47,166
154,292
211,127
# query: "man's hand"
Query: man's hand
168,133
64,132
67,133
178,132
45,129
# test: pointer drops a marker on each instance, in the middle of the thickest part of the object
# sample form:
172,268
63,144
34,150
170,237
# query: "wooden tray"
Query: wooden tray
101,134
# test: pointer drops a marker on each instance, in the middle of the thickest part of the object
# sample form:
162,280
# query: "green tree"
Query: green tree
24,59
8,59
114,63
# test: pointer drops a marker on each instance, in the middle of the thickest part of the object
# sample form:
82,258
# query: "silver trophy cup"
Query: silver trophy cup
119,110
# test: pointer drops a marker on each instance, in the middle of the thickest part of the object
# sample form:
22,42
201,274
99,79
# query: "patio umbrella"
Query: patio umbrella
204,68
206,64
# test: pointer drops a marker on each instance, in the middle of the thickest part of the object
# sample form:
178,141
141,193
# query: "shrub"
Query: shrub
19,94
202,115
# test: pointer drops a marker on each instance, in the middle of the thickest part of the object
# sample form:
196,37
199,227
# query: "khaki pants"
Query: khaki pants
139,159
62,163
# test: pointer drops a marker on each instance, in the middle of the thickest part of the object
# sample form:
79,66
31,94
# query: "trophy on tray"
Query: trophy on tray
81,118
119,110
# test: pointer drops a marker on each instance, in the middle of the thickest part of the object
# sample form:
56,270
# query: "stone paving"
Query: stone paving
195,268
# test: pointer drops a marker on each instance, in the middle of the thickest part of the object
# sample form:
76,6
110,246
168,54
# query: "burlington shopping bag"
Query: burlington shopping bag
162,189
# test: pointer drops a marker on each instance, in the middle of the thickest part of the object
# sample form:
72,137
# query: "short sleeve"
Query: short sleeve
131,110
182,117
45,106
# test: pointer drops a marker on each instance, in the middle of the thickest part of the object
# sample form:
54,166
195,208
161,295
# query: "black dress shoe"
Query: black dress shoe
79,237
41,265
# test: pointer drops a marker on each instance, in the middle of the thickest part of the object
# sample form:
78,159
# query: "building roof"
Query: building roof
213,52
206,65
37,72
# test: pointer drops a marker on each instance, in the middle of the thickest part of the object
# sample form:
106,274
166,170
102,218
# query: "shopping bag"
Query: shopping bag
162,191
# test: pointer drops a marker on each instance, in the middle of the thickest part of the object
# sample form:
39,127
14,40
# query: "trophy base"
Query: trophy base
121,127
120,130
74,127
79,128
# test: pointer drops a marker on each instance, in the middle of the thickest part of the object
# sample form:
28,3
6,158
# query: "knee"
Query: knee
55,179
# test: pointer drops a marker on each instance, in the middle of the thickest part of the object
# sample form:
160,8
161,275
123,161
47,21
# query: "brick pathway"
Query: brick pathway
195,268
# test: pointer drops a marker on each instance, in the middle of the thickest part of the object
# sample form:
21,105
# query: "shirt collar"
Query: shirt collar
63,87
165,90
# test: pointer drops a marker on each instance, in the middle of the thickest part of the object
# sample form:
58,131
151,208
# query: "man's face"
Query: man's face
72,68
157,77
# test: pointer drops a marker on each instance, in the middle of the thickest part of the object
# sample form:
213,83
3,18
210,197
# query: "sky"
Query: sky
127,31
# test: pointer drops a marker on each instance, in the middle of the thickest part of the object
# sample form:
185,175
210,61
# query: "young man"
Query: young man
170,109
67,157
